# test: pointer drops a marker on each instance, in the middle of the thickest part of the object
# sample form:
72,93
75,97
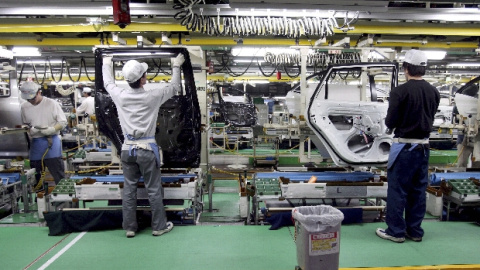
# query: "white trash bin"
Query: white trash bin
317,236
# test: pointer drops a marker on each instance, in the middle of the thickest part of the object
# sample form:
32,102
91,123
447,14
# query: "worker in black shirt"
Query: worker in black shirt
411,111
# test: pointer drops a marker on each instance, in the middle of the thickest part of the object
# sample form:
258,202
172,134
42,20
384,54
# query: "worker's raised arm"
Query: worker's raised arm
176,76
175,85
108,80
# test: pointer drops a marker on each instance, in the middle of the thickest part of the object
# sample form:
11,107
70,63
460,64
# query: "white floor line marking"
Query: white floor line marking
45,265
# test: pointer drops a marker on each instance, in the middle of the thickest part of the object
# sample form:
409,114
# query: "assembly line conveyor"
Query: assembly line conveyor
281,191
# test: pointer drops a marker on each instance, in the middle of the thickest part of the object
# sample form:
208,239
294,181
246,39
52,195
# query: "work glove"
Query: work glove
48,131
178,61
34,131
107,60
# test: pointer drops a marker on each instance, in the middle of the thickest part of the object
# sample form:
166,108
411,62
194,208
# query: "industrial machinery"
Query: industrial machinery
183,193
16,184
16,181
467,103
458,191
280,191
180,139
235,110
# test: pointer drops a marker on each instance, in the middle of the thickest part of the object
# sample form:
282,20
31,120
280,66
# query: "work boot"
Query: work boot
166,230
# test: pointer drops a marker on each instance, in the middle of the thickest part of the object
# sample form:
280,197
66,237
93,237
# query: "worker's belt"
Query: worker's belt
410,144
411,141
146,143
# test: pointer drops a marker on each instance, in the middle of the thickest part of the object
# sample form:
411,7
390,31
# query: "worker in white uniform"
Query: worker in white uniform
46,119
138,111
87,108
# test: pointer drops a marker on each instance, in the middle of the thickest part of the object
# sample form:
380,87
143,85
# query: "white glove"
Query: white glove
34,131
107,60
48,131
178,61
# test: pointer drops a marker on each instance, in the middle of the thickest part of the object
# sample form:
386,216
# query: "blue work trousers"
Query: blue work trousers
407,184
143,163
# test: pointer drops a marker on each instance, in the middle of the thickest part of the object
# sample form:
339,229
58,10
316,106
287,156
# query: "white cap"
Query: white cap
416,58
29,90
87,90
133,70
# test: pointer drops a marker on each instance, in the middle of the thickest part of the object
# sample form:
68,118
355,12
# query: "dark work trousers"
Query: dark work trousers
134,166
55,166
407,184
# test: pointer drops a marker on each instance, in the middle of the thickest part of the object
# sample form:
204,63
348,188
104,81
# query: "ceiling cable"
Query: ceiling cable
252,26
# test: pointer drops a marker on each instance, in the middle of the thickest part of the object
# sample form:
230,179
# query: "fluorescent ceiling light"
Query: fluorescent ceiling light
260,81
435,55
380,40
464,64
256,51
141,53
39,61
431,55
26,51
4,53
251,81
248,60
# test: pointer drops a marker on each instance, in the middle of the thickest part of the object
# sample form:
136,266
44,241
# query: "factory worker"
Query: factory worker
411,111
46,119
87,107
138,111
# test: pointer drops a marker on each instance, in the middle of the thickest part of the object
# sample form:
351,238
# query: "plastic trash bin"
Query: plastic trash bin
317,236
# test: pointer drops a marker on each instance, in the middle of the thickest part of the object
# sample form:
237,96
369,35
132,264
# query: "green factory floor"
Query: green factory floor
220,241
446,245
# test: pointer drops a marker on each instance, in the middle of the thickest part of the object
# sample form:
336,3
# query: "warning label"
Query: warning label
324,243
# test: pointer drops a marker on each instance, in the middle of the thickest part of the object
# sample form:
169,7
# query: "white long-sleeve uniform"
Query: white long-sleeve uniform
87,106
138,107
47,113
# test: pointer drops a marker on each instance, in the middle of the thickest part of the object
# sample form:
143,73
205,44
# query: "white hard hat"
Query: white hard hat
133,70
416,58
29,90
87,90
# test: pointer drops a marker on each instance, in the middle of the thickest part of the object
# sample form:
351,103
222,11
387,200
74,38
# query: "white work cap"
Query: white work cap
133,70
87,90
29,90
416,58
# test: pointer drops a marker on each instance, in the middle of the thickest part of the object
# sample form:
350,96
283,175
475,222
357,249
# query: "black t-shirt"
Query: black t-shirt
411,110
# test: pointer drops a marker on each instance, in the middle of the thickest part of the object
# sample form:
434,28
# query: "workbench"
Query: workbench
178,187
16,185
281,191
460,189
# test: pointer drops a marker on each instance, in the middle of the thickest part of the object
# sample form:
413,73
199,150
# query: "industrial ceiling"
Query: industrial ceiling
71,28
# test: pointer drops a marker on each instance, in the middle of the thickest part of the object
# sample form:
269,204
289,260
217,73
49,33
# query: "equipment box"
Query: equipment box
98,191
304,190
434,201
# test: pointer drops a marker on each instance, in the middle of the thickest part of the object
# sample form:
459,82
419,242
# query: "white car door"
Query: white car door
347,112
